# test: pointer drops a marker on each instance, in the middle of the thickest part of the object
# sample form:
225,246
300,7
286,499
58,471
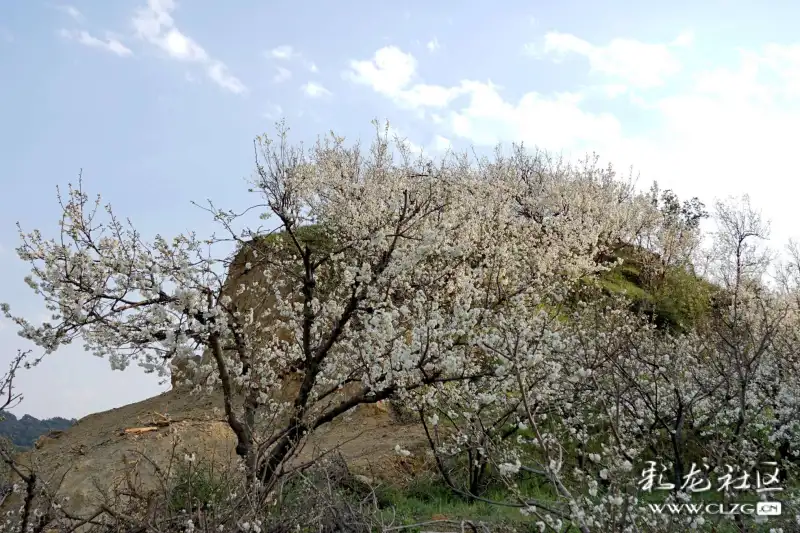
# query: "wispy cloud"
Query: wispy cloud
684,39
391,72
315,90
72,11
218,72
703,114
441,144
154,24
282,75
109,44
283,52
273,112
286,52
638,63
433,45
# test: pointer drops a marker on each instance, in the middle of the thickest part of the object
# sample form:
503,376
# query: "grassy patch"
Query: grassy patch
197,486
427,498
673,296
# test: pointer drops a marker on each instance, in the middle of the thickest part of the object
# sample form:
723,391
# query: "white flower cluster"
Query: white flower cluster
463,289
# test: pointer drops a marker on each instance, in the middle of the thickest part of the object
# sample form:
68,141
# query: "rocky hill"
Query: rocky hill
103,451
130,444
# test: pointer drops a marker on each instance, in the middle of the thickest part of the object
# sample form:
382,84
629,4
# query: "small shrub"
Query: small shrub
197,485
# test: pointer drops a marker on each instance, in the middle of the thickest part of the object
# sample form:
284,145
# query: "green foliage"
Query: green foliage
314,236
197,485
23,432
674,297
426,497
683,299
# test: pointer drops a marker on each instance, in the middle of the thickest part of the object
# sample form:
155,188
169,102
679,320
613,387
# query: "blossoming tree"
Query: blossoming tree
467,289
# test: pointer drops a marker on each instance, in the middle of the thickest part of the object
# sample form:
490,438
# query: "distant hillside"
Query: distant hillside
23,432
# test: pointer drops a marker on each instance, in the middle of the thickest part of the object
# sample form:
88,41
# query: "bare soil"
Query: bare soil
96,456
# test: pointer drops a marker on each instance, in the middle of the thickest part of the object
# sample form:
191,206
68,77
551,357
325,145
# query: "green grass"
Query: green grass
196,485
427,498
677,299
314,236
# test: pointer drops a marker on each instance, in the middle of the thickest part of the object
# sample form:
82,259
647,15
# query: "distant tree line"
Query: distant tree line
24,431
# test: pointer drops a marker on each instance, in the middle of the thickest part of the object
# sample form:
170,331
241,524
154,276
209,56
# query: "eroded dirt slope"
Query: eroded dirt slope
97,454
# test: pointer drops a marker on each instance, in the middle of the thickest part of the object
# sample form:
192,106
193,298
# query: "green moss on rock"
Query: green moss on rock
675,297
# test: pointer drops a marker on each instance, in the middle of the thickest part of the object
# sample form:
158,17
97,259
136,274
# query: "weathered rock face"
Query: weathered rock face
181,369
239,275
246,270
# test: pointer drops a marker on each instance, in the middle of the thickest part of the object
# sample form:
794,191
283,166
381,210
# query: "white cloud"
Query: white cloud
72,11
273,112
637,63
741,111
314,90
615,89
485,118
433,45
154,24
391,71
441,144
684,39
728,129
784,62
218,72
109,44
388,72
282,75
283,52
286,52
554,122
181,47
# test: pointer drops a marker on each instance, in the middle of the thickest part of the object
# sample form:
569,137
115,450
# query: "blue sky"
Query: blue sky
158,102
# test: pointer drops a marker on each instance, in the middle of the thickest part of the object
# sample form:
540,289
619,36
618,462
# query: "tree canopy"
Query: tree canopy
543,319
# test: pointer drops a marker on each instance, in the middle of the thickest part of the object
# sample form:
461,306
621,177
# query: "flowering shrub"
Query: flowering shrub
468,290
